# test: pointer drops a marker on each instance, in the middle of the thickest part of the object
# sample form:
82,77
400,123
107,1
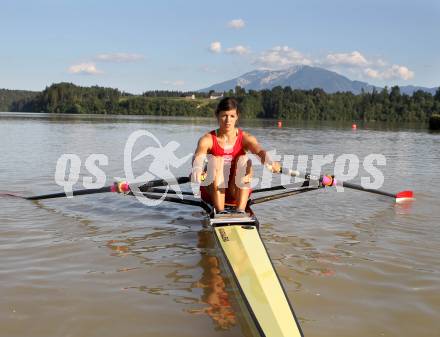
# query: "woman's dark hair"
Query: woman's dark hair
226,104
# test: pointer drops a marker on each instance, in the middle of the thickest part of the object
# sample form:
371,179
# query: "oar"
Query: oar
399,197
121,187
328,180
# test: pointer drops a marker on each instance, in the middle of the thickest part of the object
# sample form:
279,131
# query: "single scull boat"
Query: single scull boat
246,260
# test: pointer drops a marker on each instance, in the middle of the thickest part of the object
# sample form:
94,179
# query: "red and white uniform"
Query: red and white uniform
230,157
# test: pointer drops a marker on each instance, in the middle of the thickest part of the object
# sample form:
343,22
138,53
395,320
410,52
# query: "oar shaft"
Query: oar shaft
360,188
191,202
281,195
143,188
308,176
74,193
163,182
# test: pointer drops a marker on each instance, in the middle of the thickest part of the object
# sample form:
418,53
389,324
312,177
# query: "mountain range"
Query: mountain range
305,78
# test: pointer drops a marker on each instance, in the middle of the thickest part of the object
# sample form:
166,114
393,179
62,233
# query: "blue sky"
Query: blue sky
188,45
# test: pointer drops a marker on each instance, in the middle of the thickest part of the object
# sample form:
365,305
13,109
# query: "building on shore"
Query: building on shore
216,95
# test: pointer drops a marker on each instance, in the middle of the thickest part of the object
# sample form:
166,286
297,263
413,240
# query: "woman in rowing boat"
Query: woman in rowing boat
229,171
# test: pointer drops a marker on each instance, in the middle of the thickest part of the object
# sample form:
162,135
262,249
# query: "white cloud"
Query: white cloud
176,83
359,65
354,58
371,73
281,56
215,47
236,24
238,50
87,68
401,71
394,72
119,57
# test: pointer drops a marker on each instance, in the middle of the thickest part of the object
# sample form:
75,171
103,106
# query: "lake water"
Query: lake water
352,263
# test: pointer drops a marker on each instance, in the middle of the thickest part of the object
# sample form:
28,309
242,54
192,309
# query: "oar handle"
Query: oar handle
326,180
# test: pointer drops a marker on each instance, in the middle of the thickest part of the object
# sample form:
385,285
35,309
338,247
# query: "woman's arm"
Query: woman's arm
251,144
203,147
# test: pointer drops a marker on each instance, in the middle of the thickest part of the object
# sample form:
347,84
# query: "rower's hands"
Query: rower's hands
198,176
247,179
274,167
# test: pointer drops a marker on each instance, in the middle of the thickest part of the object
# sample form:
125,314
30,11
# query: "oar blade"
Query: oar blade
404,196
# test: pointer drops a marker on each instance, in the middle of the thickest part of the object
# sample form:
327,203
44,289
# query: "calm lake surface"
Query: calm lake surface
352,263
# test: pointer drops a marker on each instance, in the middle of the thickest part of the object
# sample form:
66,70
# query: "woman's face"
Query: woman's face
227,119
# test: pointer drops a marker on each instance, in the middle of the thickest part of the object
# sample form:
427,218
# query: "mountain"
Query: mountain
302,77
410,89
297,77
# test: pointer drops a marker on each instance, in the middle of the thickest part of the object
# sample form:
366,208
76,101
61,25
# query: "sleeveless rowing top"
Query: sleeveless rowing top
229,154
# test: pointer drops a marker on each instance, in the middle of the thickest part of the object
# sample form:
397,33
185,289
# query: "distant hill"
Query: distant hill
8,98
410,89
302,77
310,105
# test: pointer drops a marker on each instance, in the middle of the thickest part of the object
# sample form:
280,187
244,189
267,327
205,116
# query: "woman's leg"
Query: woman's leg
217,190
241,181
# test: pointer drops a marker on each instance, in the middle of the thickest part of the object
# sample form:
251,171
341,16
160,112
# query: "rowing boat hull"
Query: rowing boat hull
249,264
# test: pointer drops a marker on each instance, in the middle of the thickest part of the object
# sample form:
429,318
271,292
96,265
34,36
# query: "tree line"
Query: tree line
10,97
281,103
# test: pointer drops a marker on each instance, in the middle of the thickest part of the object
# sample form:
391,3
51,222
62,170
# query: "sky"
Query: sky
188,45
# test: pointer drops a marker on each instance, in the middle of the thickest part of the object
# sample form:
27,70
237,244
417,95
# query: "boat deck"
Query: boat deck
248,264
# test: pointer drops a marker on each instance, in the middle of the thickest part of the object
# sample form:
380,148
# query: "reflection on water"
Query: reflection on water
213,285
246,123
119,247
182,284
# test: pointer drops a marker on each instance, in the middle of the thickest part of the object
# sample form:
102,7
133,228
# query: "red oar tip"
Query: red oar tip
404,195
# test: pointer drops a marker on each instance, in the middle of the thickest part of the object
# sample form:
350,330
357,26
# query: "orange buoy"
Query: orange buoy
354,126
280,124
